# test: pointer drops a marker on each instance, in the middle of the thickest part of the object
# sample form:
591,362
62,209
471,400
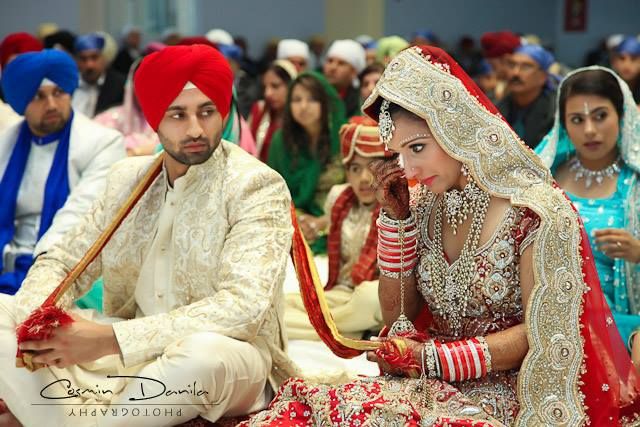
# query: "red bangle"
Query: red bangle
408,241
464,368
391,229
457,363
382,252
470,363
443,362
483,362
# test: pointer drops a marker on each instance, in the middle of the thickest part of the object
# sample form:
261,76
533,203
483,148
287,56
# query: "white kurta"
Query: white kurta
93,149
29,203
85,97
8,117
153,290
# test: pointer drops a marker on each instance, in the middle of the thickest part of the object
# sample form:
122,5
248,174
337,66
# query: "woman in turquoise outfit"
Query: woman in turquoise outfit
593,151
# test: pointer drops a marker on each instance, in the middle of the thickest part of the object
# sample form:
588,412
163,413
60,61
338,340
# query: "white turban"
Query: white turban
292,47
219,36
350,51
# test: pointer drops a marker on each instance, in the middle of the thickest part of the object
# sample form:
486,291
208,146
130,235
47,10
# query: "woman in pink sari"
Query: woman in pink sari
140,139
487,282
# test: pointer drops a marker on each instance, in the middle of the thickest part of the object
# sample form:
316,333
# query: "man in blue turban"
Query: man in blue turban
100,87
625,60
529,106
52,164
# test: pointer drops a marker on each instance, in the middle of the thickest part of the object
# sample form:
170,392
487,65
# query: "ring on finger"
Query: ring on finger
618,244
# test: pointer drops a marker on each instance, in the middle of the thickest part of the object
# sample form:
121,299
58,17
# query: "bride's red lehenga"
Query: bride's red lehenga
577,370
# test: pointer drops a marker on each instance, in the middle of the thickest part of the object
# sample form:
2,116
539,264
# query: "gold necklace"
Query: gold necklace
451,285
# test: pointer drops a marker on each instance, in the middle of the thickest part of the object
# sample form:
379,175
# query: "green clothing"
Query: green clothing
308,179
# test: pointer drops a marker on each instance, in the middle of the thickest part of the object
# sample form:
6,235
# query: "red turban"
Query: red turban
499,43
17,43
162,76
360,136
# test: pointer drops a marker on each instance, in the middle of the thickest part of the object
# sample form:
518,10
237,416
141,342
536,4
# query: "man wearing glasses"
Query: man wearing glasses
529,106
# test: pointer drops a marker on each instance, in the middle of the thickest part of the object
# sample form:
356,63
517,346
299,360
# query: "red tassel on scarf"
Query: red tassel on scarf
44,319
39,326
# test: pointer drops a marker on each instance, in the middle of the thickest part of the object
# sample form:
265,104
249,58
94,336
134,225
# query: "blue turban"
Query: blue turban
373,44
630,45
231,51
23,76
425,34
484,68
91,41
543,57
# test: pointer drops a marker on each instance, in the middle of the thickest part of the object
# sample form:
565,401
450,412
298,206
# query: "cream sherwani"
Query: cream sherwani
196,270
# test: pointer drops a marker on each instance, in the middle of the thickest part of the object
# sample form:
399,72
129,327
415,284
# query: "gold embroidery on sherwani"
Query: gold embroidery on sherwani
548,382
231,236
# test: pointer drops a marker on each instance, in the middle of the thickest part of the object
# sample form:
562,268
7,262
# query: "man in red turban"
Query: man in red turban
192,276
497,47
11,46
16,43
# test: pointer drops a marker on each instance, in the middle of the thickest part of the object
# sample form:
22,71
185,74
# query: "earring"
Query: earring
385,123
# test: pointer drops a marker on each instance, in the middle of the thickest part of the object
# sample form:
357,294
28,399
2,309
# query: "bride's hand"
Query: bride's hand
394,362
391,187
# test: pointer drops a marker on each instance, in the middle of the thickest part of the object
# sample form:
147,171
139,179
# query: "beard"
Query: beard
178,153
46,127
91,76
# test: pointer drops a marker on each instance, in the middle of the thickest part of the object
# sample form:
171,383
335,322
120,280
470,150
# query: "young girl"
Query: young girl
306,150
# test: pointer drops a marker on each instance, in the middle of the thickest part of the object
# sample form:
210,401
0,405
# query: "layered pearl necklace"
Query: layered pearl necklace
460,203
451,285
589,175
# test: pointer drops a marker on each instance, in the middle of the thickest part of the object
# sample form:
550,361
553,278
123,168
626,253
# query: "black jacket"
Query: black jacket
538,117
111,92
352,102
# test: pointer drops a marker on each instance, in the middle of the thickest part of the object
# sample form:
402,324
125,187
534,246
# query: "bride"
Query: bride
487,284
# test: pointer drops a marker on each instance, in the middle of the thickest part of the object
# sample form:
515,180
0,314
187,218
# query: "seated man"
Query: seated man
100,86
192,277
625,60
352,210
530,105
53,163
294,51
345,60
